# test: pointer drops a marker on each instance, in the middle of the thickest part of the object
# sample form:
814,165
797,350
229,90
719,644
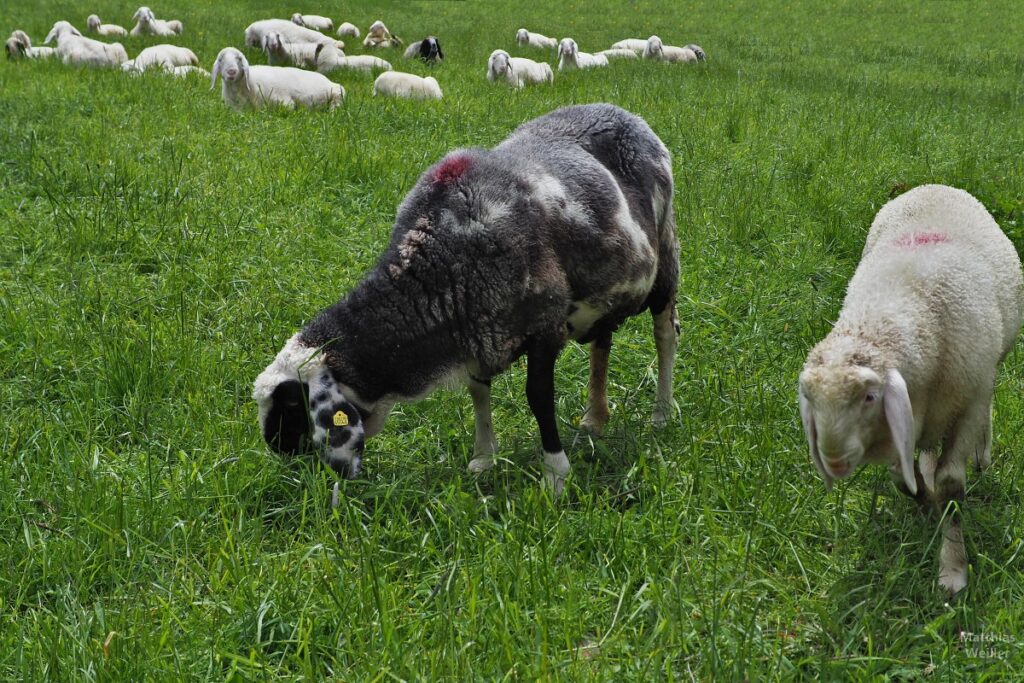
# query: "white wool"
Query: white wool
148,25
329,59
411,86
75,49
290,32
378,36
619,53
282,53
259,86
658,51
164,57
517,71
526,38
313,21
635,44
348,29
570,57
94,24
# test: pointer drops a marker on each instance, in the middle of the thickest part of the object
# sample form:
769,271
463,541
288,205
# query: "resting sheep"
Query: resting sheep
148,25
348,29
517,71
526,38
165,57
93,22
428,49
19,46
290,33
329,58
697,50
259,86
658,51
313,21
280,53
73,48
934,306
619,53
562,231
380,37
185,71
410,86
570,57
635,44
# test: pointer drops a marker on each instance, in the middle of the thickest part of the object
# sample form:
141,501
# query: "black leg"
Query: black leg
540,392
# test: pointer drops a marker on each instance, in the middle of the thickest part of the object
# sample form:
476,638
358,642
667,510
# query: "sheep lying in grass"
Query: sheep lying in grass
658,51
165,57
570,57
618,53
935,305
19,46
517,71
185,71
290,33
329,58
697,50
380,37
635,44
526,38
280,53
410,86
148,25
428,50
259,86
93,22
347,29
313,21
563,231
74,49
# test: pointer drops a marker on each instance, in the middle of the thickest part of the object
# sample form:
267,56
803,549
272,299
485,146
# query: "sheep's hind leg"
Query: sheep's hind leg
540,393
596,416
485,443
666,336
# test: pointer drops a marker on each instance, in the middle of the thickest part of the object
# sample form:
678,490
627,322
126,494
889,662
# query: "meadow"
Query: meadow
157,249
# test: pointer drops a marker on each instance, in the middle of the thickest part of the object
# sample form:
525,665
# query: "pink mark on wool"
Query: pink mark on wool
920,239
451,169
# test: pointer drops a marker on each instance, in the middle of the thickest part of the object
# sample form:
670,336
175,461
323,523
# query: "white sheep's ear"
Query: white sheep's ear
811,432
138,13
900,416
50,35
215,73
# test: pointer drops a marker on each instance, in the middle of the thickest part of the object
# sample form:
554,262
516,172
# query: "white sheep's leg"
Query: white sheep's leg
485,443
596,416
924,471
666,335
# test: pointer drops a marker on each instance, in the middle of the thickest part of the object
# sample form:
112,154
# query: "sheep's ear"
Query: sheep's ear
74,31
215,73
49,36
900,416
811,432
138,13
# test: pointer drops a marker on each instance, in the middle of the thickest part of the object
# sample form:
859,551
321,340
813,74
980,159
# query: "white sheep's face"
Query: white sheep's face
144,15
93,21
272,42
500,64
567,47
522,36
840,408
231,65
655,46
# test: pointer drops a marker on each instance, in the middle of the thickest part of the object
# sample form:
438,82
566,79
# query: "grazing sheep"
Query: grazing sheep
658,51
164,57
935,305
697,50
347,29
378,36
19,46
313,21
562,231
329,58
290,33
525,38
619,53
570,57
259,86
93,22
517,71
148,25
73,48
635,44
428,49
411,86
280,53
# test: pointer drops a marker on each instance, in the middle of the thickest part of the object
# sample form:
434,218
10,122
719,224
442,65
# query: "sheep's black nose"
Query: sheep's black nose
343,468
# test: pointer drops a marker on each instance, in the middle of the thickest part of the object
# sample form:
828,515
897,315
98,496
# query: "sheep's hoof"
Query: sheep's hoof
659,420
953,579
592,424
481,464
553,483
556,469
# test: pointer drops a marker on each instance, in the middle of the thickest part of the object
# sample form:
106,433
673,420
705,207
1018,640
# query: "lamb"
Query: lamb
411,86
93,22
313,21
428,49
635,44
19,46
259,86
618,53
570,57
73,48
328,58
562,231
517,71
279,52
148,25
291,33
348,29
379,37
658,51
526,38
934,306
185,71
165,57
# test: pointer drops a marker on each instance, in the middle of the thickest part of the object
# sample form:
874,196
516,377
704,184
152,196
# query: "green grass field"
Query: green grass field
156,249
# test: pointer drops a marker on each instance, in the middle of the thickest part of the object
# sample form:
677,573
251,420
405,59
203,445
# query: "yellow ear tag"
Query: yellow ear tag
340,419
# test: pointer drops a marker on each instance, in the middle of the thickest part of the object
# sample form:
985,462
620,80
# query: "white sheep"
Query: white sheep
185,71
526,38
619,53
378,36
259,86
93,22
635,44
348,29
281,53
73,48
291,33
164,57
148,25
411,86
329,58
19,46
517,71
656,50
313,21
934,306
570,57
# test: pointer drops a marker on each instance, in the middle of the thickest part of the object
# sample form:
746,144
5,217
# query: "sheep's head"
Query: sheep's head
378,28
568,47
297,19
93,22
847,407
499,65
231,65
302,405
272,42
522,36
61,28
143,15
655,49
14,48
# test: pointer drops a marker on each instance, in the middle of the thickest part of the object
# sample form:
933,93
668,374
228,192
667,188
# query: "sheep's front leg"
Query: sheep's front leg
666,336
486,445
983,450
540,393
597,400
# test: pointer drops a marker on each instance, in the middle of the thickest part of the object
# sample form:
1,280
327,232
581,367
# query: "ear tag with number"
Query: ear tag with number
340,419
